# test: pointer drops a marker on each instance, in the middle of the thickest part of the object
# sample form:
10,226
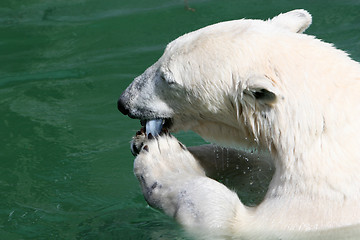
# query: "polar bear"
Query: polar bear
259,84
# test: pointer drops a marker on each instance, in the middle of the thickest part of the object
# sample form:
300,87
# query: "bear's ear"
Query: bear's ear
264,96
261,90
296,21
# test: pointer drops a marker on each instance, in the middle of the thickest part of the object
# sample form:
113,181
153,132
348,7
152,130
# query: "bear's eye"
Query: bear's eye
168,79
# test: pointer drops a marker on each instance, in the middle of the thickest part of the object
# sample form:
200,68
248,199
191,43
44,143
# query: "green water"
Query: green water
66,168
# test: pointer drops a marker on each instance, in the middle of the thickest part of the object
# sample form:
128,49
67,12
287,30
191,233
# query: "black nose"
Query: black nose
122,108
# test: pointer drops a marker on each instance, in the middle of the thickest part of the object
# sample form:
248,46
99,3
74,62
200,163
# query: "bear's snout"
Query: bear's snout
121,106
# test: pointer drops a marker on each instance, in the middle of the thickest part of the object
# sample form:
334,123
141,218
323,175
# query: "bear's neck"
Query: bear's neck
319,170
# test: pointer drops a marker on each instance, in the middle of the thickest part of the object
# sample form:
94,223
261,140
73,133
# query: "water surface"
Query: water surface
66,168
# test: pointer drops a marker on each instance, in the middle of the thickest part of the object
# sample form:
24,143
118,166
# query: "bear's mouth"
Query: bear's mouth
157,125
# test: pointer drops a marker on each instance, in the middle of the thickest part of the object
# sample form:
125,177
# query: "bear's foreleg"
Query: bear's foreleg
173,181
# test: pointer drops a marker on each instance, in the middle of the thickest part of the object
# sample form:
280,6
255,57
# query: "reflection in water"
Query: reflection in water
348,233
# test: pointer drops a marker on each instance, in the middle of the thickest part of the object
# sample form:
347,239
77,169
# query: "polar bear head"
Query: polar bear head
227,81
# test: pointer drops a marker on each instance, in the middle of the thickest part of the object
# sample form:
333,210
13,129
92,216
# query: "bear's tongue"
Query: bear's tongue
154,126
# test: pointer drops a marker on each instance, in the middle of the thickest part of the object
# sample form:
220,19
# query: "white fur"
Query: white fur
263,84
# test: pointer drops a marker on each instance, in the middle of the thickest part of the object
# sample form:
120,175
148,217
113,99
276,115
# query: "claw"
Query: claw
150,136
182,146
164,131
134,150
